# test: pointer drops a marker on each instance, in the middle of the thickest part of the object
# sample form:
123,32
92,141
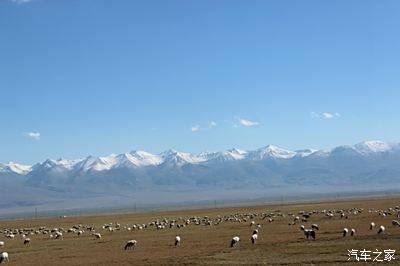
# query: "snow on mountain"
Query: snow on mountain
271,151
59,165
373,146
92,163
68,164
305,152
146,158
180,158
136,159
15,168
224,156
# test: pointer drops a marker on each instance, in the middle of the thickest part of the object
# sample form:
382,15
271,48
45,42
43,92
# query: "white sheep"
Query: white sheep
345,231
97,235
1,243
177,241
315,227
4,257
254,238
235,241
395,223
381,229
352,232
130,244
372,226
58,234
27,241
308,233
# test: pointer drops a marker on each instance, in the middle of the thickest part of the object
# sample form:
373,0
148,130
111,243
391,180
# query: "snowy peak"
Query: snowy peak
180,158
237,152
271,151
146,158
373,146
14,168
92,163
136,159
229,155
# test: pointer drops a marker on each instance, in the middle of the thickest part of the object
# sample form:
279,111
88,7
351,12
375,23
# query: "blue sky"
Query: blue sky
100,77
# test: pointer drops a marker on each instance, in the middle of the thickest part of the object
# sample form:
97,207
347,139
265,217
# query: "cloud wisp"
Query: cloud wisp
325,115
212,124
19,2
33,135
248,123
195,128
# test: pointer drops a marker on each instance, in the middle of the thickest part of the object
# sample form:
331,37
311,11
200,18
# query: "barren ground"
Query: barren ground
278,243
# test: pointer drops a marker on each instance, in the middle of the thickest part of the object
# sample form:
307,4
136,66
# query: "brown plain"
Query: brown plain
278,243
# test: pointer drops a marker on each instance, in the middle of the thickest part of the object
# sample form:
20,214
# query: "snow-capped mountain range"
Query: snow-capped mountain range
370,165
138,159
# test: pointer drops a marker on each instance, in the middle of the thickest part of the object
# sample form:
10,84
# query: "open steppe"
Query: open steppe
278,242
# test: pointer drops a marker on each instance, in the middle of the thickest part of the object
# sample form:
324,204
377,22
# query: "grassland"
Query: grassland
279,243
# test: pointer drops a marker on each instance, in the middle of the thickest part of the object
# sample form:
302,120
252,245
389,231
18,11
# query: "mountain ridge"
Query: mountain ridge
141,158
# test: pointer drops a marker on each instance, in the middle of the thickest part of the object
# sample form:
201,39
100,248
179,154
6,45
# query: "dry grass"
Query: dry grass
278,244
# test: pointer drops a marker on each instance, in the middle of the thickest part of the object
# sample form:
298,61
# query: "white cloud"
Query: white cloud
248,123
325,115
195,128
328,115
21,1
212,124
33,135
314,115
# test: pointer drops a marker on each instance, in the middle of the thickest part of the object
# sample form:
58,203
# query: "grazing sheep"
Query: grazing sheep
255,231
27,241
58,235
381,229
395,223
235,241
372,226
315,227
1,243
177,241
131,244
4,257
97,235
345,231
254,238
308,232
352,232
